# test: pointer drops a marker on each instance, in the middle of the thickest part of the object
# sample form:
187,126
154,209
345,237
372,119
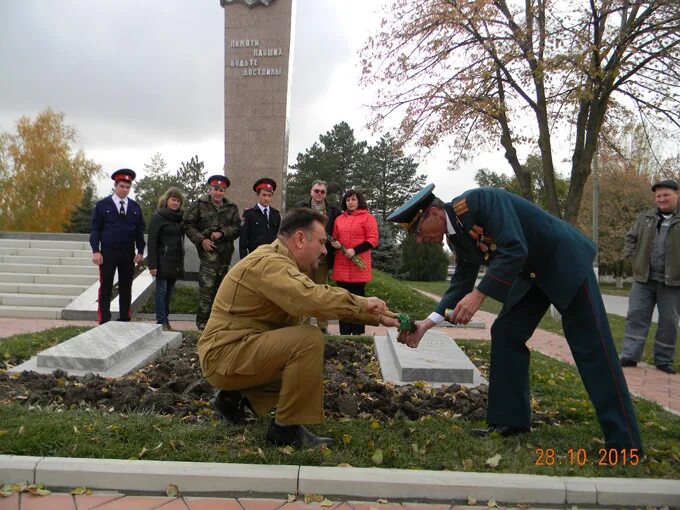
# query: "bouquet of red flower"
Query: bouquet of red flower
356,259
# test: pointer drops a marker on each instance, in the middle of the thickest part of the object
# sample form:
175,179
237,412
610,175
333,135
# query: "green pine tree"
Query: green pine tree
81,217
423,262
387,255
191,175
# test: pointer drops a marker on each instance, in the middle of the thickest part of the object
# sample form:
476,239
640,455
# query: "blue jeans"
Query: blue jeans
164,288
641,301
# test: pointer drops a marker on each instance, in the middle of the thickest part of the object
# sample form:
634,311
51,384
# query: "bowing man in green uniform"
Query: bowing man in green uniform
534,259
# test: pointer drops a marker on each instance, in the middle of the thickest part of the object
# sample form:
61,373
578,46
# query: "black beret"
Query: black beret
124,174
218,179
410,211
266,184
668,183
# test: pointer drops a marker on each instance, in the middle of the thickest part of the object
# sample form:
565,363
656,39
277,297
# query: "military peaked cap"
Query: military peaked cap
124,174
219,180
407,215
668,183
266,184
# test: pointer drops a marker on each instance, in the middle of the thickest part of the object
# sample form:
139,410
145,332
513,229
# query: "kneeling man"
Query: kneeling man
255,348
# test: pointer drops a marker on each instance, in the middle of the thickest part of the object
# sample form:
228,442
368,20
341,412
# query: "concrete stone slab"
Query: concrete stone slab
30,312
580,491
472,324
147,351
17,468
98,349
438,360
431,485
637,492
84,307
154,476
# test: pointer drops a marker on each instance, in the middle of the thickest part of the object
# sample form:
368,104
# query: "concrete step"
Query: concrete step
43,252
44,244
42,288
34,300
30,312
49,269
45,260
50,279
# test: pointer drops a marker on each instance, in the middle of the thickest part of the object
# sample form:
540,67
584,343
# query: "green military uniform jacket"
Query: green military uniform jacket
203,217
267,291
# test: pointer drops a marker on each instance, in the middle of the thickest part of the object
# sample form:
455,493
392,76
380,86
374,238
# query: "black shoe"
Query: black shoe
294,435
232,406
502,430
668,368
627,362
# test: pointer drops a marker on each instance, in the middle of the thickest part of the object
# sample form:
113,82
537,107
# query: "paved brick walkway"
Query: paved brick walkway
122,502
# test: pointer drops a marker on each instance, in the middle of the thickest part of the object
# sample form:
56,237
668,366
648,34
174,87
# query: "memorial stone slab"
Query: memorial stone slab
438,360
110,350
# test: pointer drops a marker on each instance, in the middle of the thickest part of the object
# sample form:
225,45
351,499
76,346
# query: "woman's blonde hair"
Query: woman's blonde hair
171,193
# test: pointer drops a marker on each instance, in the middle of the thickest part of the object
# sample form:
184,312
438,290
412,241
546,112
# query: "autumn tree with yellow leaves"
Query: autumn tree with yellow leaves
513,73
42,178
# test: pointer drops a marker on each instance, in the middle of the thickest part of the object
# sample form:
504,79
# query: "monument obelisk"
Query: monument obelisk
257,58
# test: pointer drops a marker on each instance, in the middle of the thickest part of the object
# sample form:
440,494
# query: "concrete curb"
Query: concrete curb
216,479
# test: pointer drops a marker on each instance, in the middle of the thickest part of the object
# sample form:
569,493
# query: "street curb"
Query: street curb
217,479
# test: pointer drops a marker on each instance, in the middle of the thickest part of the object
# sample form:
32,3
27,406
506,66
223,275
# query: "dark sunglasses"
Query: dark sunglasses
322,191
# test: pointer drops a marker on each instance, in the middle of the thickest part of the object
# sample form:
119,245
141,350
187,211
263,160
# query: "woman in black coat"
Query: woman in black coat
166,250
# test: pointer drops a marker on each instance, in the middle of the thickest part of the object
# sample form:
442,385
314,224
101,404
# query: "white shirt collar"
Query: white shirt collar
262,207
449,226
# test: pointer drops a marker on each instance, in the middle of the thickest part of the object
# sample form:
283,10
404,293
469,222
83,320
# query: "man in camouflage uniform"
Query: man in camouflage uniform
212,223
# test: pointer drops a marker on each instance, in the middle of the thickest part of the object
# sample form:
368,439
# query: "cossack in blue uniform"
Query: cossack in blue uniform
115,234
534,259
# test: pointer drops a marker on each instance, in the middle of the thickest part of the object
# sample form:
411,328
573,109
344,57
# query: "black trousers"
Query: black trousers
123,260
587,332
352,328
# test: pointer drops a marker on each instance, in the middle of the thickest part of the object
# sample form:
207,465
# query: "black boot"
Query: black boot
294,435
232,406
502,430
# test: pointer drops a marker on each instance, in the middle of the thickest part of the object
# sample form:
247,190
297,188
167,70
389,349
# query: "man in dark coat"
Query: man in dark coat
534,259
318,202
261,222
117,226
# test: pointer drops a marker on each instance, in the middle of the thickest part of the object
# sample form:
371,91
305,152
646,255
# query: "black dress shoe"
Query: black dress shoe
294,435
667,368
627,362
502,430
232,406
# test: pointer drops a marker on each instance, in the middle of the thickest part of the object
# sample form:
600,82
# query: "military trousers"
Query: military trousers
587,332
643,297
212,269
121,259
282,368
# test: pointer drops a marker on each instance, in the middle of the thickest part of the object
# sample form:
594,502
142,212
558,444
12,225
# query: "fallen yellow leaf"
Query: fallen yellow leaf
172,491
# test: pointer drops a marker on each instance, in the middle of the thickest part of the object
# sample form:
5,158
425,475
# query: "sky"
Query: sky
136,78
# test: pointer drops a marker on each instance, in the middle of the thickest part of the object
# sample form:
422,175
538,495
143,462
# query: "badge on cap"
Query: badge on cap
266,184
219,180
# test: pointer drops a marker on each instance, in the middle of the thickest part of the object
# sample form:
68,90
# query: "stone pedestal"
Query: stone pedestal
257,56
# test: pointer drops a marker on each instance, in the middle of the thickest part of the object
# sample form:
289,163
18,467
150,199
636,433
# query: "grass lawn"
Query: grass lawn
616,322
436,442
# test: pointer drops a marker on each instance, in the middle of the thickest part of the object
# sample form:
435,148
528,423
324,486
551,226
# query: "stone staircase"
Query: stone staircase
41,274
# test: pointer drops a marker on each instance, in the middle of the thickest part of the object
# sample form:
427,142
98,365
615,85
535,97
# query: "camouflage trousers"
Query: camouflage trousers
211,273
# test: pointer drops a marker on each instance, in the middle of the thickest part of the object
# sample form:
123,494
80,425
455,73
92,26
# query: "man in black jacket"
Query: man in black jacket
319,203
261,222
117,226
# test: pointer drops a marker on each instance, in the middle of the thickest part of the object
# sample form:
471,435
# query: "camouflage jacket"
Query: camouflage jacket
202,218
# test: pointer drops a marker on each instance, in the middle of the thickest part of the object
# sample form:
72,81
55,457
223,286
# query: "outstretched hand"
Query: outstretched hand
375,305
413,338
